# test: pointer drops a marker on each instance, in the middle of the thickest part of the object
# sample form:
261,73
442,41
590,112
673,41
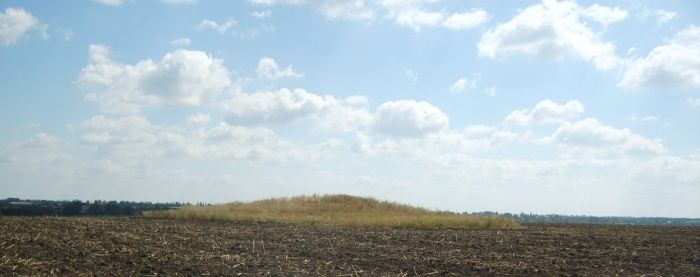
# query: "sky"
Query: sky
567,107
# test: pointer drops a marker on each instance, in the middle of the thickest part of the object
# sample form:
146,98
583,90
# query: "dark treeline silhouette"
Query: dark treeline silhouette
16,206
584,219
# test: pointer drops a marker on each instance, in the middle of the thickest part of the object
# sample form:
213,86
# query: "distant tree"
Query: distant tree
95,208
72,208
112,208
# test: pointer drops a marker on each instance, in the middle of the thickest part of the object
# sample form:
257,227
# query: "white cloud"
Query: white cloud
68,35
410,14
275,107
411,75
465,20
437,146
491,91
645,119
417,18
343,118
179,2
463,84
259,144
181,42
693,102
182,77
661,16
278,2
675,64
261,14
356,100
219,27
604,15
546,112
172,2
40,140
14,23
550,30
591,134
285,106
664,16
199,119
408,118
362,143
268,69
650,119
346,9
41,155
131,137
135,137
110,2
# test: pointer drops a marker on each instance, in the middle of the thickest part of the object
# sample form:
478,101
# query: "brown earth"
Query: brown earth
138,246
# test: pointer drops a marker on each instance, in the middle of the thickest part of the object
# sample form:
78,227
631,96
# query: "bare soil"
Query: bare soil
139,246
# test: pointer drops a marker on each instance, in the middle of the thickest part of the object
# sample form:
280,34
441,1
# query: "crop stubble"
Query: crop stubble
138,246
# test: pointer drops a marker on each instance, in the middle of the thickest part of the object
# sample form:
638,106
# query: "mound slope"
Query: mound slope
345,210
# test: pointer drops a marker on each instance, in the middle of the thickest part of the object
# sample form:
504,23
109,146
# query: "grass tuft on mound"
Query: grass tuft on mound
344,210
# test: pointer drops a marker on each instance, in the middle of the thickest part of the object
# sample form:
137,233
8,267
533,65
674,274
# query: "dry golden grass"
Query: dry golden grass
342,210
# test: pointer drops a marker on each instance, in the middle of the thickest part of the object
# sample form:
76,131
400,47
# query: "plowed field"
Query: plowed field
137,246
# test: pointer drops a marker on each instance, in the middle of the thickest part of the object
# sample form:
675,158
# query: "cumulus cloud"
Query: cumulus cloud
68,35
219,27
436,147
603,14
664,16
331,9
259,144
408,118
465,20
546,112
179,2
645,119
182,77
411,75
553,30
41,154
284,106
261,14
411,14
130,137
172,2
40,140
356,100
346,9
181,42
199,119
342,117
661,16
135,137
362,143
463,84
14,24
693,102
591,134
110,2
408,13
675,64
275,107
280,2
268,69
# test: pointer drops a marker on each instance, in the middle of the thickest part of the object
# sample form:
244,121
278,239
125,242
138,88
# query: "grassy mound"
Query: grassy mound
343,210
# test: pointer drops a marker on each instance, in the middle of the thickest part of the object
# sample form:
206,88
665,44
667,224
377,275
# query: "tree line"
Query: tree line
584,219
19,207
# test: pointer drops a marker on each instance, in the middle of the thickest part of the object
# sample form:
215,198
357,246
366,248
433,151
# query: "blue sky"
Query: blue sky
513,106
